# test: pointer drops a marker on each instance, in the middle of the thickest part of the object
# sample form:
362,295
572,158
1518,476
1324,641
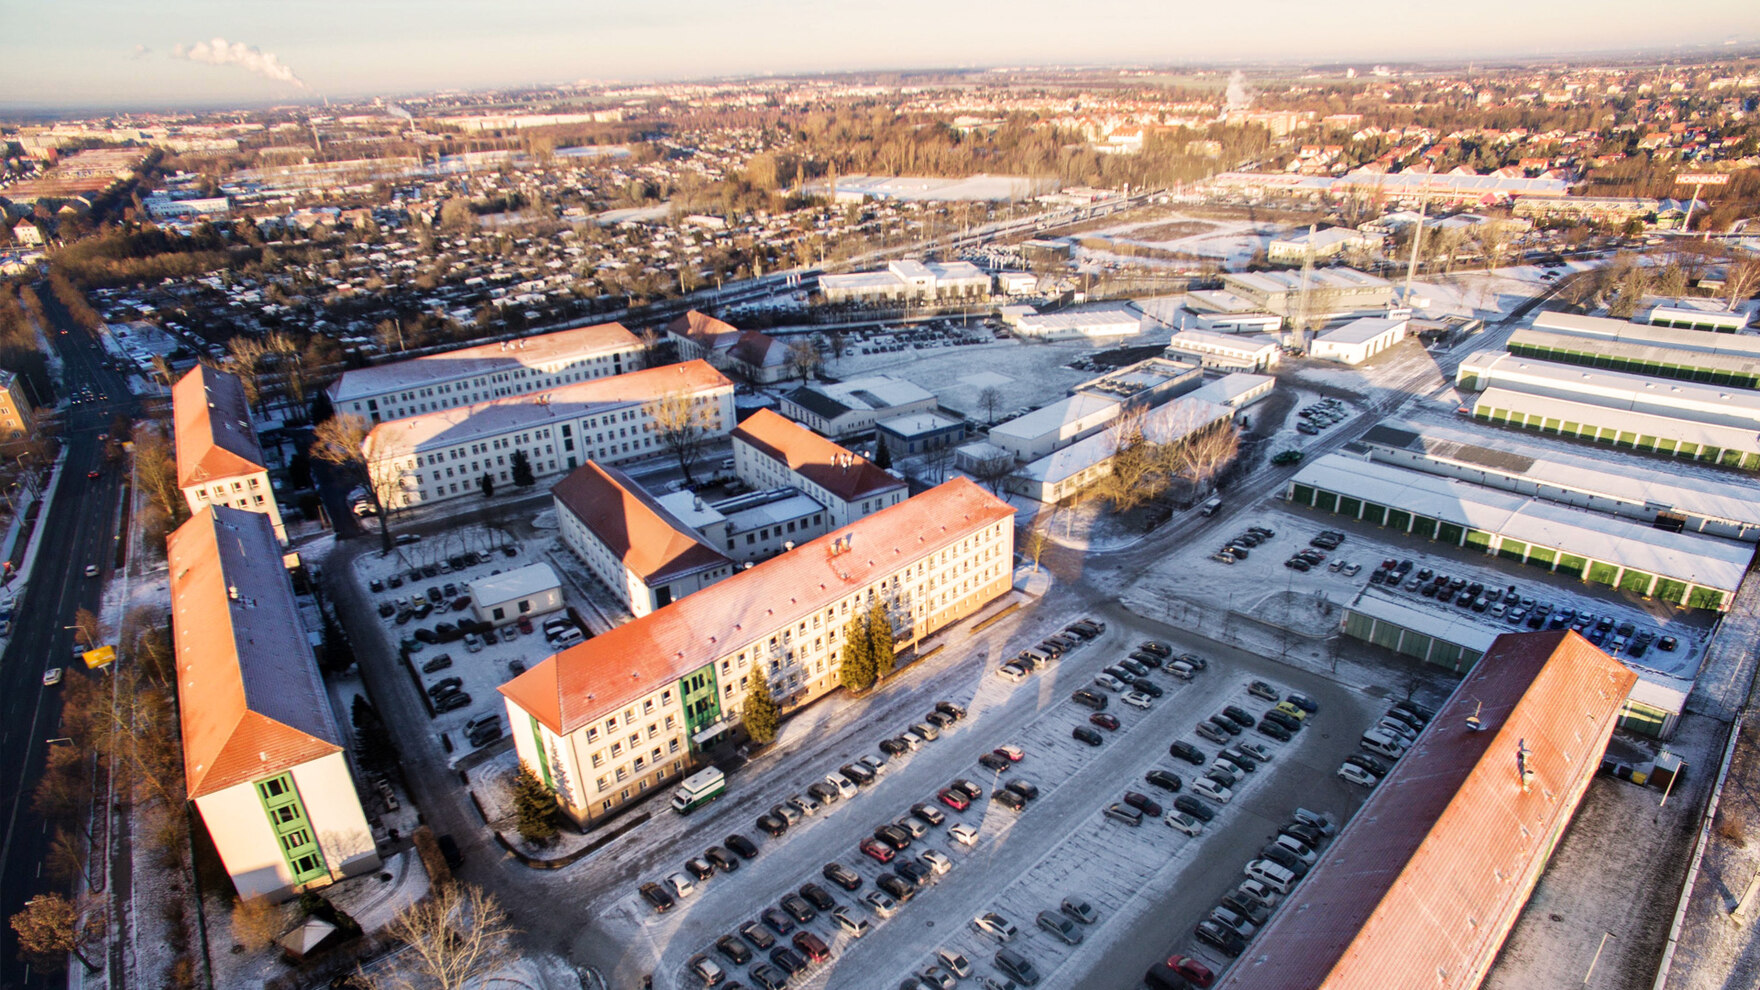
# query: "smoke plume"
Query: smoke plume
219,51
1238,97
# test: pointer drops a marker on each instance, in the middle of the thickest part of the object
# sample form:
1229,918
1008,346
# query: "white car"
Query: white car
1212,790
1109,682
1180,821
1254,750
938,861
963,834
875,763
881,904
1012,672
1137,699
91,570
707,971
914,741
994,925
955,963
853,927
1350,773
681,884
52,677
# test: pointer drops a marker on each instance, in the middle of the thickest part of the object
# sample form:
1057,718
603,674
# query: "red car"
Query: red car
879,850
1013,754
956,800
811,946
1195,972
525,625
92,474
1104,721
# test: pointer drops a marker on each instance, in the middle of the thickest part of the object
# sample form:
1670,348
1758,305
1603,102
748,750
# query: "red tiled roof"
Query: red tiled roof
760,350
815,458
650,541
576,686
1425,883
214,438
249,695
704,329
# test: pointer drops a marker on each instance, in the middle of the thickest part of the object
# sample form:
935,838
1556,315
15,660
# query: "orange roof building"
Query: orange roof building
263,757
772,451
469,375
620,715
441,455
1423,886
697,335
219,461
645,554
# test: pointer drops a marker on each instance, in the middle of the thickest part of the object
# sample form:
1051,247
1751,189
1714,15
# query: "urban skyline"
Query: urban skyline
203,54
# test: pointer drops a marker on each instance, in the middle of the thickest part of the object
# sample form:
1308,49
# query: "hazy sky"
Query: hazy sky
130,53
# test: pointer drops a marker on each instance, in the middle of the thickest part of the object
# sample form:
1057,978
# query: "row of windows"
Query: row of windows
479,387
607,804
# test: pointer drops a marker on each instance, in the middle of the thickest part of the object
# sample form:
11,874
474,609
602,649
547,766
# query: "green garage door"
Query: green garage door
1401,520
1450,533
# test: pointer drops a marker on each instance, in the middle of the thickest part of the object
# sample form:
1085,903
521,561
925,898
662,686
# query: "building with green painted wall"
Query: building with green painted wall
1679,568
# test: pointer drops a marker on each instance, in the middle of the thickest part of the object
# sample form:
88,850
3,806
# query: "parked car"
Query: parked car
994,925
1182,822
1260,689
742,845
1194,807
657,897
1105,721
1167,780
1061,927
1084,734
1186,751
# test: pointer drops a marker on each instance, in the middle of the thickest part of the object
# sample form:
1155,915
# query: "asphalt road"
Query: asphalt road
78,529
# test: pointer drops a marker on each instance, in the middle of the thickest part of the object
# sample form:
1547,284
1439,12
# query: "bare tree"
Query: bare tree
342,440
1137,476
49,929
1204,453
804,358
455,937
990,398
1036,537
244,358
652,345
87,630
1740,280
684,422
256,922
155,466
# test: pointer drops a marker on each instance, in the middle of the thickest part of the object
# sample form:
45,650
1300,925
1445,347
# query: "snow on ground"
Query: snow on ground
1028,374
1233,242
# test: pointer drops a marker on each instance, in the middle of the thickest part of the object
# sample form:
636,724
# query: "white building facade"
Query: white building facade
443,455
771,452
471,375
645,554
219,461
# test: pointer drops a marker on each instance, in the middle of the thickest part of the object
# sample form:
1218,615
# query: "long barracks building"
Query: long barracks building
445,454
621,714
487,371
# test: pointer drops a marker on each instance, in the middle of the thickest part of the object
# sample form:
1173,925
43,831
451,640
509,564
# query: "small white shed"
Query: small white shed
502,598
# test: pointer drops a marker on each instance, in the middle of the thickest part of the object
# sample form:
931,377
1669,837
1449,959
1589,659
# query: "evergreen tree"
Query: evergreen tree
535,805
882,455
321,407
522,470
372,740
880,642
762,717
856,670
487,484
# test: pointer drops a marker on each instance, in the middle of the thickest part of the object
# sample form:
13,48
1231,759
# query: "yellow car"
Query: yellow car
1293,711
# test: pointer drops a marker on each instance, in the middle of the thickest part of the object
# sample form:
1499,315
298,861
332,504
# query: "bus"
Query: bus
698,789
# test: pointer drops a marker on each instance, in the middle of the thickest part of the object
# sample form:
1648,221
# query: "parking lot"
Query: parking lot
1062,844
416,589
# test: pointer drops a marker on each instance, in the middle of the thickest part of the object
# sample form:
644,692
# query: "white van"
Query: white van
1270,874
566,638
1382,744
1297,848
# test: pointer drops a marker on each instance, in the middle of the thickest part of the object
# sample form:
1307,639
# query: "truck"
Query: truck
1209,508
698,789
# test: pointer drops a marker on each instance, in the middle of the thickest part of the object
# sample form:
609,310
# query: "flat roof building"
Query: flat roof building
1359,340
264,761
1696,314
1714,404
841,409
1651,360
1078,324
1729,345
908,281
219,460
504,598
678,678
1059,424
1236,391
1146,383
1670,436
1434,632
919,433
441,455
1233,351
1329,291
1320,245
1066,471
485,372
769,451
639,549
1632,488
1678,568
1454,839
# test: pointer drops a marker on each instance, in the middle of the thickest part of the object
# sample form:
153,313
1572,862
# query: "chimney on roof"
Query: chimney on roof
1524,770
